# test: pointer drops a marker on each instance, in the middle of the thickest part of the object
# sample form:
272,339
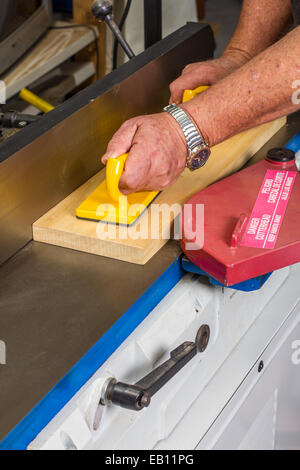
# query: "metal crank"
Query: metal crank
138,396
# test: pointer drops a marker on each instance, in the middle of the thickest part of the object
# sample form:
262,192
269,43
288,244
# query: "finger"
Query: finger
185,82
121,141
190,68
137,168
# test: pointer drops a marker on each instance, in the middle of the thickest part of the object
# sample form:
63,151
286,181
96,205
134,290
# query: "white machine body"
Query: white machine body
241,393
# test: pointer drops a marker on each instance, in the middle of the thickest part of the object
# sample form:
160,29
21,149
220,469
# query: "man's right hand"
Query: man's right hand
202,73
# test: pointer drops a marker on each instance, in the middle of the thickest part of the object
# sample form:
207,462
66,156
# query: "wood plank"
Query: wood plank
60,226
200,9
82,15
55,47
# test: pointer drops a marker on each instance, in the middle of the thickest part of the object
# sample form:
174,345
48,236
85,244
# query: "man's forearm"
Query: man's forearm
258,92
260,25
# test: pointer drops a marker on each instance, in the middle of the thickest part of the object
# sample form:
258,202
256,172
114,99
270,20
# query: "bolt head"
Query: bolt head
102,9
22,124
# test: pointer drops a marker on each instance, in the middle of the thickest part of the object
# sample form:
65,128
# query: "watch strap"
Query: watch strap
190,131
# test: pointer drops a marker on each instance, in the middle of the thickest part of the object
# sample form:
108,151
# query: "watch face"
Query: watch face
200,158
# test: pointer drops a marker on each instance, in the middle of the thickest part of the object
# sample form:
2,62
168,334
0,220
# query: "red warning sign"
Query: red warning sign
267,215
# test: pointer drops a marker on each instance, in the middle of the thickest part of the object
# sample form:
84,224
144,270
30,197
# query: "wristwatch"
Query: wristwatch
198,149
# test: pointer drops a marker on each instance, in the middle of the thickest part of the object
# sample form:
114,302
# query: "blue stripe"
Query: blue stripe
294,144
61,394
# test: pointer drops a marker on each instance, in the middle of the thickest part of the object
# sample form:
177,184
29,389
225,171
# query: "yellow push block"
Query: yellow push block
190,94
108,204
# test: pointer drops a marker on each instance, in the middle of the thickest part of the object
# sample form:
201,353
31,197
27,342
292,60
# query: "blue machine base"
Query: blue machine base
246,286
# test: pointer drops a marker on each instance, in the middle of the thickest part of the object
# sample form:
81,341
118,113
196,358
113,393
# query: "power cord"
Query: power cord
121,26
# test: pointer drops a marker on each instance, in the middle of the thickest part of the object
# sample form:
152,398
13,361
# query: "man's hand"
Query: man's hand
157,152
261,23
202,73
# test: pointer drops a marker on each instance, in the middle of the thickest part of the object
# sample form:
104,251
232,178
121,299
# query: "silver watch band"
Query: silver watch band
191,133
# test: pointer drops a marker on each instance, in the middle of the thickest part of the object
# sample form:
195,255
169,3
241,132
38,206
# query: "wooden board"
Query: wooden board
60,226
53,49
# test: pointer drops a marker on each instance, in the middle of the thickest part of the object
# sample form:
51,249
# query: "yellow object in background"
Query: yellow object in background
35,101
108,204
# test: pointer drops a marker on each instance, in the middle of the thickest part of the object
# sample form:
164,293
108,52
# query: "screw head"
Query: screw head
261,366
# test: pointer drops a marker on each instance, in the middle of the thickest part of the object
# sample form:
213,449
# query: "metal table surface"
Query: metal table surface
56,303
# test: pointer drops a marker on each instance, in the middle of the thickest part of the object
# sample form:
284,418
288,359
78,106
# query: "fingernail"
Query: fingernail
106,156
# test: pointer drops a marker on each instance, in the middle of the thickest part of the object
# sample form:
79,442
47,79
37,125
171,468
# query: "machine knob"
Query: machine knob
281,155
102,9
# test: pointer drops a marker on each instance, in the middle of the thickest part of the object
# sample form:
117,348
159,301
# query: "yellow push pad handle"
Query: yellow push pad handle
115,166
114,170
190,94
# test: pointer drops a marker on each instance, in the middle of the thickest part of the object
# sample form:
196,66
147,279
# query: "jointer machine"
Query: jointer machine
87,338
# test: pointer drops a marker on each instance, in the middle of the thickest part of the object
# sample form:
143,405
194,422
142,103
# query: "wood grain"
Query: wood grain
60,226
55,47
